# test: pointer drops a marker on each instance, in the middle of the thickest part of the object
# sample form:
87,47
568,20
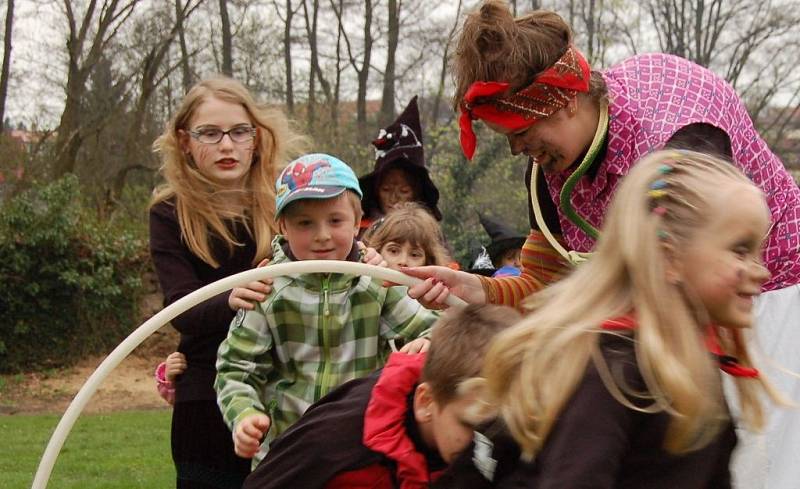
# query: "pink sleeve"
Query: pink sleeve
166,389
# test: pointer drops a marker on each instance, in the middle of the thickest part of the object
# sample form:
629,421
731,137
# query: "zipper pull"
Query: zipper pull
325,296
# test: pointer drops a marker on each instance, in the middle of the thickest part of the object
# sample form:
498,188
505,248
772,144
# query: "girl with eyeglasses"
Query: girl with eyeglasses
213,217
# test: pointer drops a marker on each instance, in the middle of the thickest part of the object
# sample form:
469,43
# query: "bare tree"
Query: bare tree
84,50
387,100
6,61
315,72
227,38
337,84
362,71
287,52
153,73
186,70
723,33
443,70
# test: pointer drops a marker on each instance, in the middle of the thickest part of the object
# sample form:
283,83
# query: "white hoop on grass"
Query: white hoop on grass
167,314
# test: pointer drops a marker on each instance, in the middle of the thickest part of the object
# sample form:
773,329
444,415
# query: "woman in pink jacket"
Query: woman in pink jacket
582,130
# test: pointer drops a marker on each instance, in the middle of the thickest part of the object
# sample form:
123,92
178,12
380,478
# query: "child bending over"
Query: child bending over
396,428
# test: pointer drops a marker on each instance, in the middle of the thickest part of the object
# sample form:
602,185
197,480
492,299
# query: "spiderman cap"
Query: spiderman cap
314,176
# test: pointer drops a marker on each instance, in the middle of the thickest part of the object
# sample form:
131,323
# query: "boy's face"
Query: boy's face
444,428
320,229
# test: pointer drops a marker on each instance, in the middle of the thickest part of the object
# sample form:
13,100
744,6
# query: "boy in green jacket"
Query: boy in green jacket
314,331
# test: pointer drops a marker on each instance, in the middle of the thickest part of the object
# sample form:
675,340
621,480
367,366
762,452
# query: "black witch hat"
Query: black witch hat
399,145
503,237
482,264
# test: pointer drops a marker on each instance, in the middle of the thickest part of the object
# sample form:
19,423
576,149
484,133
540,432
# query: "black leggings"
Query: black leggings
202,448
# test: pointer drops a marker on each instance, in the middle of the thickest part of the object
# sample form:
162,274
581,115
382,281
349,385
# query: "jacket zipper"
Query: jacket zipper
325,340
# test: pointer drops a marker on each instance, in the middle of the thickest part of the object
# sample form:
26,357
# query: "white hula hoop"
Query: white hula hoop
167,314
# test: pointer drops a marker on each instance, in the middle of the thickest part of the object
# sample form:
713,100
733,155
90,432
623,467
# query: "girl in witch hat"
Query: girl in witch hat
400,174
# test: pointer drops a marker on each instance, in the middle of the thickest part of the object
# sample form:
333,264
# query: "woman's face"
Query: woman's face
395,188
555,142
226,162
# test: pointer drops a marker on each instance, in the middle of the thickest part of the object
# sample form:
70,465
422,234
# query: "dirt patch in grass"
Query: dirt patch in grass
129,386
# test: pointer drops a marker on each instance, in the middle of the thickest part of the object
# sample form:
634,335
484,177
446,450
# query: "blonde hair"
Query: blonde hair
495,46
201,205
532,369
410,222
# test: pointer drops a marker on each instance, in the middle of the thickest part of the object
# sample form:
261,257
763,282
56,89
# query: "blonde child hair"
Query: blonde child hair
410,222
532,369
201,205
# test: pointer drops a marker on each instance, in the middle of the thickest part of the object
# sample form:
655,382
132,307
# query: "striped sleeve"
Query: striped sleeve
541,266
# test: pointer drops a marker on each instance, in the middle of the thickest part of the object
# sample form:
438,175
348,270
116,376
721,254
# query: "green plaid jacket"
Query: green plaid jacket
313,333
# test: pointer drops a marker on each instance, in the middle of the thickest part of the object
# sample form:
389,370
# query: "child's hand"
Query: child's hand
176,365
420,345
243,297
248,434
371,256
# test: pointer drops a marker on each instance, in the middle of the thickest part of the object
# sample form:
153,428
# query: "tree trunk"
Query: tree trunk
363,75
287,57
81,62
311,32
590,32
69,138
186,71
6,62
443,71
315,71
227,39
338,82
387,100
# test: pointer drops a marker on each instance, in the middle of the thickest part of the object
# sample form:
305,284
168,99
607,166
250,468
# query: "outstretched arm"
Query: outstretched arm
541,266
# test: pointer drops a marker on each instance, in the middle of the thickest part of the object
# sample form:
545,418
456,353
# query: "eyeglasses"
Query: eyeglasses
213,135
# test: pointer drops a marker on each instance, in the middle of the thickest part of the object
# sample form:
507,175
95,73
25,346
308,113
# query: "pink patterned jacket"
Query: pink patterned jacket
651,97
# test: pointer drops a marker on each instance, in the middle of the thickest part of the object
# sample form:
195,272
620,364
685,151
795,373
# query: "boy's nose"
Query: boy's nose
323,233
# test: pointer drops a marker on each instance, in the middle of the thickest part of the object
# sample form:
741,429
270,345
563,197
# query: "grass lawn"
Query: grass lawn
128,449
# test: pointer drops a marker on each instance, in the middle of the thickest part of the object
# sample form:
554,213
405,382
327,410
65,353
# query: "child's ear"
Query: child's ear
281,225
423,403
673,264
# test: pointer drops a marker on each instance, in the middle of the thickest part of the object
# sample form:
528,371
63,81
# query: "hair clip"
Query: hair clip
664,169
658,185
662,235
660,210
657,194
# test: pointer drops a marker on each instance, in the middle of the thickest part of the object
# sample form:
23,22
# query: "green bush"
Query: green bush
70,283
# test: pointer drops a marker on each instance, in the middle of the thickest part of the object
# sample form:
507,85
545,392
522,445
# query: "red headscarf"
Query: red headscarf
549,92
